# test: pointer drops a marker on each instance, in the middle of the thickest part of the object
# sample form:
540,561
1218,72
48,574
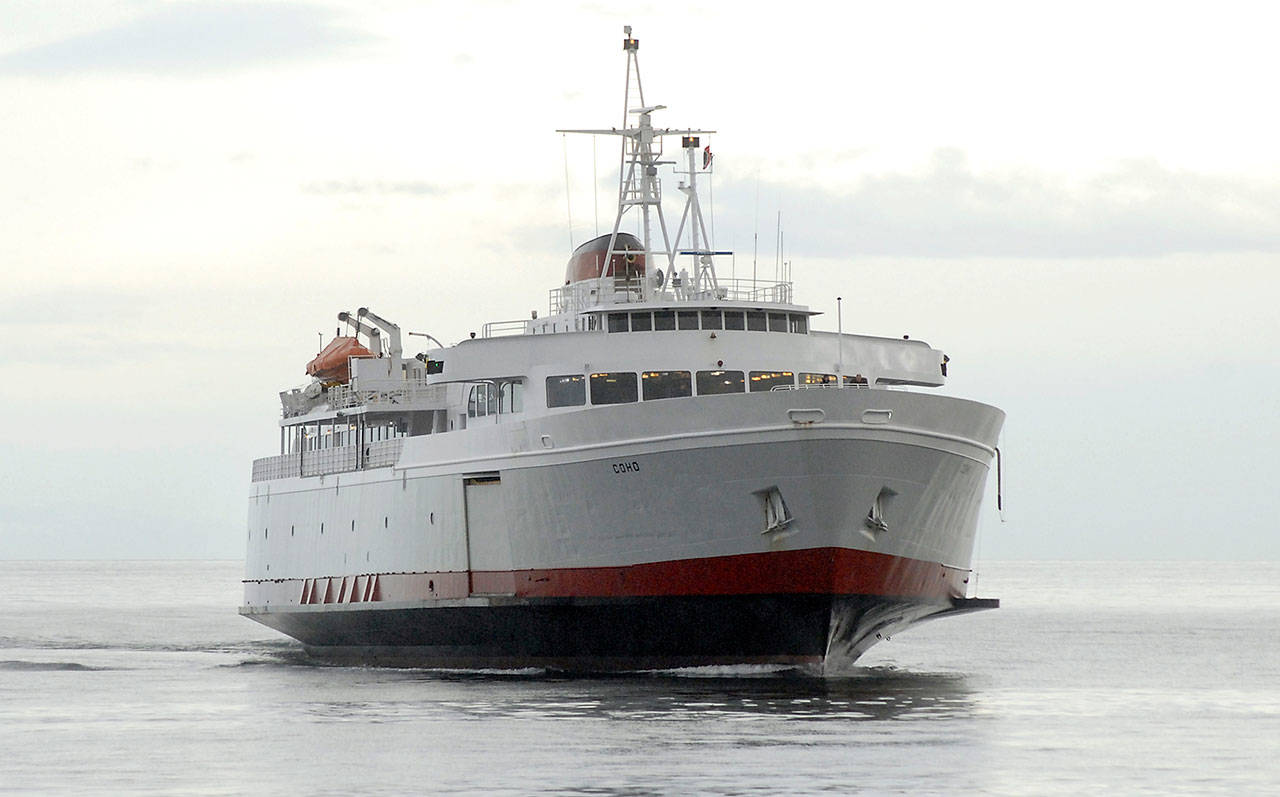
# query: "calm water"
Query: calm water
1148,677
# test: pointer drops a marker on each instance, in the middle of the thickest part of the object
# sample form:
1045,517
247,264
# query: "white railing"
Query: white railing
825,386
498,329
383,453
416,392
329,460
409,393
279,467
342,459
745,290
593,293
606,292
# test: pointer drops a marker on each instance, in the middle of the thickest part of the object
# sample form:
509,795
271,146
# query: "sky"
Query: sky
1078,202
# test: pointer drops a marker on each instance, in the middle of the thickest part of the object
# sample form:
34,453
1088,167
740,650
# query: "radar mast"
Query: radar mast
639,186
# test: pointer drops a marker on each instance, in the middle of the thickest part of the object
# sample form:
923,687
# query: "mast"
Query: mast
638,184
704,273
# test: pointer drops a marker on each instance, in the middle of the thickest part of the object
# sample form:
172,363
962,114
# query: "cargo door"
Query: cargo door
489,566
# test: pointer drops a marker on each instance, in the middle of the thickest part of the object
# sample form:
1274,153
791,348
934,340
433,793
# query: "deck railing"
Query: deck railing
497,329
848,385
607,291
412,392
341,397
342,459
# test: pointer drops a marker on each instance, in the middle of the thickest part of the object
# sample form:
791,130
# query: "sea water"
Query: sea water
1119,677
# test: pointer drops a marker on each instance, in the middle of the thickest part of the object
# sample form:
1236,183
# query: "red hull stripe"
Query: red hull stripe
827,571
820,571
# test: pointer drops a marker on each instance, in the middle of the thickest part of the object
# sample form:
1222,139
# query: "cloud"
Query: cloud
1139,208
377,187
70,307
194,37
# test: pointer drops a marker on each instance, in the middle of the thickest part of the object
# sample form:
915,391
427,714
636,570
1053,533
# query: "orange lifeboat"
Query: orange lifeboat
332,365
587,260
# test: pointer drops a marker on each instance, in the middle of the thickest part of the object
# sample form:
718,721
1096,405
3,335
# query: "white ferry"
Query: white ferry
669,468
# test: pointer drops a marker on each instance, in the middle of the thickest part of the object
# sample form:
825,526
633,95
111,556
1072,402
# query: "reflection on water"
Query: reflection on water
873,693
47,666
877,694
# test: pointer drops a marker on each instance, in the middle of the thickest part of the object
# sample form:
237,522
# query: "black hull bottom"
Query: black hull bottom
600,635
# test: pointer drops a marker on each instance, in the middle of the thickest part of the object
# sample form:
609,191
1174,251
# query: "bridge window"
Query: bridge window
755,321
777,322
713,382
817,379
768,380
688,319
664,320
566,391
618,322
613,388
711,319
800,323
666,384
641,322
482,401
511,396
733,320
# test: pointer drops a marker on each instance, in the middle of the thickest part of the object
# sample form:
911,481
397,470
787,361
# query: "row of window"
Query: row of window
336,433
622,387
750,320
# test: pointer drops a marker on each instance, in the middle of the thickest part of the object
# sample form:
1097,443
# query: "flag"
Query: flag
706,157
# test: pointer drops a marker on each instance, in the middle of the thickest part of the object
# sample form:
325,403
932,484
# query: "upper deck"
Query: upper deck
683,288
587,305
639,318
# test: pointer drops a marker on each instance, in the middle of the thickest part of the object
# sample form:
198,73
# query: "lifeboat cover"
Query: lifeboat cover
331,364
587,261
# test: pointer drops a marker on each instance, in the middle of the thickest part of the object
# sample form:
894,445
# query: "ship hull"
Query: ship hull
792,542
817,608
823,633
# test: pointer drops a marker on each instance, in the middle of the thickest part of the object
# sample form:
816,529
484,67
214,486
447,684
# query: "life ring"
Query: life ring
658,277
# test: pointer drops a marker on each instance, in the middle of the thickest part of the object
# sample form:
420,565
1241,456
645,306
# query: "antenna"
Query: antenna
782,253
839,344
568,205
777,249
595,183
755,236
711,194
